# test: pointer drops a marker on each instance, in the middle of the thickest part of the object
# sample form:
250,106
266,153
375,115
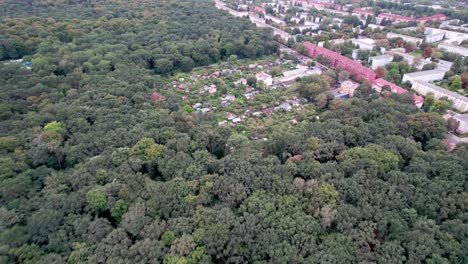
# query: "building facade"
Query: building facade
458,101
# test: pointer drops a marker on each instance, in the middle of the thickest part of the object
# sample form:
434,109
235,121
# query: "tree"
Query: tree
426,126
252,81
96,199
163,66
409,47
456,84
457,65
427,52
380,72
290,42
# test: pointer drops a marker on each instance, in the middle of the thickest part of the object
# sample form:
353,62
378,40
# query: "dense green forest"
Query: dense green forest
93,169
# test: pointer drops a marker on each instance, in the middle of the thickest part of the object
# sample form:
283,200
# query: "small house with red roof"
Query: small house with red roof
266,78
259,9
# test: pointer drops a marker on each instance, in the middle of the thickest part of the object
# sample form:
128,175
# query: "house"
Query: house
378,84
204,110
230,116
228,97
284,106
381,60
222,123
462,123
418,100
242,81
259,9
266,78
349,87
459,102
212,89
268,111
236,120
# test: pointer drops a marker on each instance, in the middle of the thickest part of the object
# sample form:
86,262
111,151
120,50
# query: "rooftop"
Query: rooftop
381,57
443,91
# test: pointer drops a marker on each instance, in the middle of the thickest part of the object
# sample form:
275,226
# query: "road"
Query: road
257,21
276,31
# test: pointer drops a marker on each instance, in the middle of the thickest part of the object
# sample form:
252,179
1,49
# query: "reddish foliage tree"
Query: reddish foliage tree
409,47
379,72
155,97
427,52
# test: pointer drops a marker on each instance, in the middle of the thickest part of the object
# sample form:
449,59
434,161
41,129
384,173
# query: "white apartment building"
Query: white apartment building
458,101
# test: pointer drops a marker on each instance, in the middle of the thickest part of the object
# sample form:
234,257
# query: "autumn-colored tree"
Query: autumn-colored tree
380,72
427,52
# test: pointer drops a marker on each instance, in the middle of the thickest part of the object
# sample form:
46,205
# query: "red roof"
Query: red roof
364,11
268,111
417,99
434,17
339,61
323,4
393,87
259,9
396,17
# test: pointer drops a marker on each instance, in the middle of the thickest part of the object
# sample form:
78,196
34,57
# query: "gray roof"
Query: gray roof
444,91
381,57
463,117
425,73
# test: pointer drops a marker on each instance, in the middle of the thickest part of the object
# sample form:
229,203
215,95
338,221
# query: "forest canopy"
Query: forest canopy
94,169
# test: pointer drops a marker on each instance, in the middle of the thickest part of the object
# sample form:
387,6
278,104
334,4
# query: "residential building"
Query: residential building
433,17
378,84
349,87
363,12
416,41
339,61
394,17
427,76
431,38
381,60
259,9
266,78
375,26
275,20
291,76
462,123
454,49
458,101
364,43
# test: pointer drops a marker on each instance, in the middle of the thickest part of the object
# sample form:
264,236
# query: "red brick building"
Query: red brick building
339,61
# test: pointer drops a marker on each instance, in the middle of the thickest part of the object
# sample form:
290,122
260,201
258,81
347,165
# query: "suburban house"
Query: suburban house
266,78
349,87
